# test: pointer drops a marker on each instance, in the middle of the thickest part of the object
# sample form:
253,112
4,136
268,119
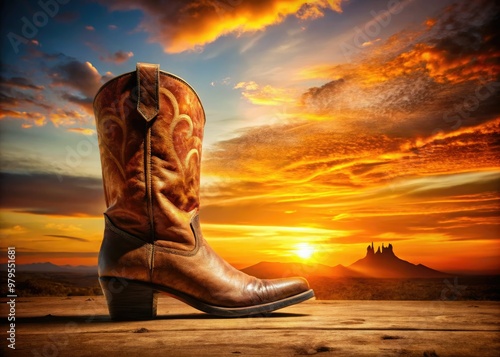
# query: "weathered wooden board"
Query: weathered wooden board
80,326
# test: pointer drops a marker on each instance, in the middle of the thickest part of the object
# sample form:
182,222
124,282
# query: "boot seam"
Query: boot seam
149,195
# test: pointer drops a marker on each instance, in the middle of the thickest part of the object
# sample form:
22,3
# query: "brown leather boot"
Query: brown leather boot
150,128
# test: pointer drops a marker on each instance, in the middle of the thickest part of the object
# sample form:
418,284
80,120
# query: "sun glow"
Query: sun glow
304,250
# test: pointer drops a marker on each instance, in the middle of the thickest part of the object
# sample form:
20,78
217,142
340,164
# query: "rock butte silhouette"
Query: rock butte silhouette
385,264
382,263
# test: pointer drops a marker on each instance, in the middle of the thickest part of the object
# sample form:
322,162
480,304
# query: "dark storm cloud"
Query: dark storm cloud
19,91
81,76
44,194
70,79
19,82
84,102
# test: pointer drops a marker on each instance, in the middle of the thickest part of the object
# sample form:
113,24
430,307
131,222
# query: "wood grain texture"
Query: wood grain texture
80,326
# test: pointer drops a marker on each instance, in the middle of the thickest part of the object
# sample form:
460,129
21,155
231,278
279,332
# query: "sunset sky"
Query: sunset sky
330,125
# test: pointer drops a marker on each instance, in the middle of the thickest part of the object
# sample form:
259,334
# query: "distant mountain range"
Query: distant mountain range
382,263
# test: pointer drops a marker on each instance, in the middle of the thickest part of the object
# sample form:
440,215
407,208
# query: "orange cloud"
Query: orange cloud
266,95
63,227
33,118
293,162
489,128
67,117
457,46
370,43
83,131
439,64
443,65
430,22
184,25
16,229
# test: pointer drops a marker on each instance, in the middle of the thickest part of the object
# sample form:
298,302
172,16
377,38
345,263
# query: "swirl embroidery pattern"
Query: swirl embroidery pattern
194,141
176,148
183,150
109,136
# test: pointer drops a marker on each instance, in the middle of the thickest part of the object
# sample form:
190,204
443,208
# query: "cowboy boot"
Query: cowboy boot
150,128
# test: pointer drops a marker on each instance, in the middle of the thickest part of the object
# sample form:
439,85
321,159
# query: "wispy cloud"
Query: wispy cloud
31,118
83,131
12,230
17,94
67,117
20,82
266,95
49,255
67,237
118,57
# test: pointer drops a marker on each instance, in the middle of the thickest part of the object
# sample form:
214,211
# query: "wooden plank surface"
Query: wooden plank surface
80,326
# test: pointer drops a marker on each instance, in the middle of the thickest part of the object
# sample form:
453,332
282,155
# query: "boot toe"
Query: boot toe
287,287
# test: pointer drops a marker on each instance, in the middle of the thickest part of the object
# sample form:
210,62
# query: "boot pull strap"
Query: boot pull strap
148,104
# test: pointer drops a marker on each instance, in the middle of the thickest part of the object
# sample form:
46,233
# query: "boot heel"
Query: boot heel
129,300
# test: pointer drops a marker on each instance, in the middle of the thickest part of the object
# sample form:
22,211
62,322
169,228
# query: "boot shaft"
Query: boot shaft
150,130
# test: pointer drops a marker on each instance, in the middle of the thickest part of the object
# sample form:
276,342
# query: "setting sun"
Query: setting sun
304,250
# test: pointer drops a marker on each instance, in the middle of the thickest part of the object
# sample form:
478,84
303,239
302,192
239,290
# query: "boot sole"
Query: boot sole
135,300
